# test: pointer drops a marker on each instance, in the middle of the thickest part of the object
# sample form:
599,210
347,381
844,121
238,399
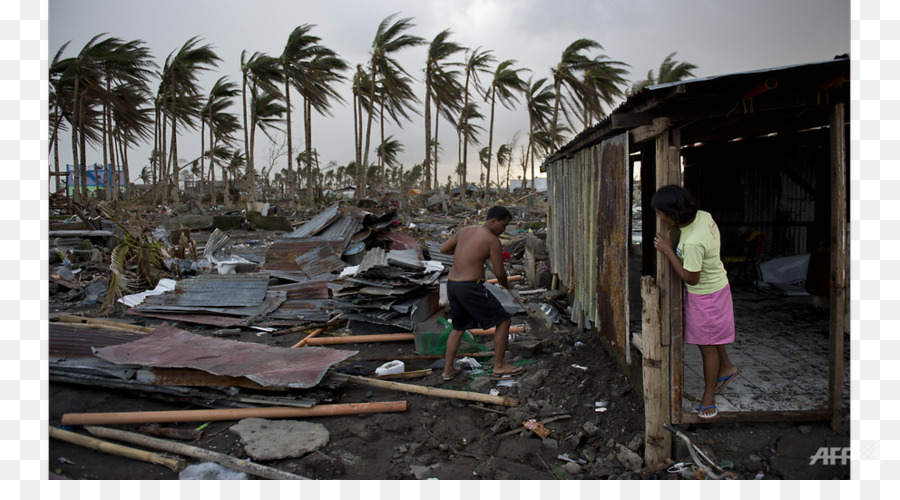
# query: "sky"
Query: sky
720,37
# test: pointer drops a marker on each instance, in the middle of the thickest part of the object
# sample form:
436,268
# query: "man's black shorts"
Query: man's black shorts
473,306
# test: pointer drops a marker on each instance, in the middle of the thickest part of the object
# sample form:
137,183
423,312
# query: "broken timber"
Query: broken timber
655,355
158,417
194,452
434,391
116,449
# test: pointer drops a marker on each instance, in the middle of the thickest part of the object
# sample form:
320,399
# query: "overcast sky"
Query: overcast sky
720,37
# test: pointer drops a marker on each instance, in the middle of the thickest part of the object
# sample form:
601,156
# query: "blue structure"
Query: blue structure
97,177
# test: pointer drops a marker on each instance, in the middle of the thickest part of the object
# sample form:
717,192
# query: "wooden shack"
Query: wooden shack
765,152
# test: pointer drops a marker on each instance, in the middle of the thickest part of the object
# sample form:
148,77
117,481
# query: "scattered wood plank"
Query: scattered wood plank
434,391
158,417
116,449
71,318
194,452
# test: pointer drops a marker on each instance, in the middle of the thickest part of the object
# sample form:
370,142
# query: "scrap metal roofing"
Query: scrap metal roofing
218,290
268,366
724,107
317,223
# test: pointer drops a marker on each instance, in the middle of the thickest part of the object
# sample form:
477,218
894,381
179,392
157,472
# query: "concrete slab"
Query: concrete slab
276,439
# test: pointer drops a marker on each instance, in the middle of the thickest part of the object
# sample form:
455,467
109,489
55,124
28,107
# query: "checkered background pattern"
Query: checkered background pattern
875,241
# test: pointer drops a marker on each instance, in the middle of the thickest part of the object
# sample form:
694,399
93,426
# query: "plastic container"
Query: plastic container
391,368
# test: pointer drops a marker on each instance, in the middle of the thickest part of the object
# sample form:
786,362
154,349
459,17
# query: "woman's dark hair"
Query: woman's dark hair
675,202
498,213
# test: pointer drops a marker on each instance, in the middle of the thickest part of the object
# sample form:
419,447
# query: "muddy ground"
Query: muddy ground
565,376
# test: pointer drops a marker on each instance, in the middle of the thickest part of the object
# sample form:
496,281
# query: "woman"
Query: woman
708,309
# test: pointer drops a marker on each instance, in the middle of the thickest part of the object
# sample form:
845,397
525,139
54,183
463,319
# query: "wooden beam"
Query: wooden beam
731,417
839,252
647,132
668,171
656,377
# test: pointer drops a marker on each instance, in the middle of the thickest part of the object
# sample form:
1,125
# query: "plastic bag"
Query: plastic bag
436,342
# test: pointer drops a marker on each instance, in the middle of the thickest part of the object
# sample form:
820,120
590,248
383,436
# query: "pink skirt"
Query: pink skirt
709,319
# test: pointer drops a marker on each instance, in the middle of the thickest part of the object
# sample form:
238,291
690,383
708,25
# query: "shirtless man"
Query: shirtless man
471,304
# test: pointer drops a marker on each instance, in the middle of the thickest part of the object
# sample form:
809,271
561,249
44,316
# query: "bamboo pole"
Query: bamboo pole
158,417
434,391
307,338
116,449
409,357
395,337
193,452
71,318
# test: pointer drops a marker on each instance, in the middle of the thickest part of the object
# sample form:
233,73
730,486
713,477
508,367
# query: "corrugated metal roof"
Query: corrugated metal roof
309,290
282,252
342,229
270,302
408,259
219,290
269,366
67,341
322,260
306,310
317,223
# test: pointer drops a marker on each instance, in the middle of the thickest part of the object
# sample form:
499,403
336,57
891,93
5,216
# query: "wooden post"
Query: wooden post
657,440
839,252
668,171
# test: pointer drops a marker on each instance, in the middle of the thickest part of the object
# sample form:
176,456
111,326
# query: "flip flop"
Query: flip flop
723,381
701,409
456,371
500,376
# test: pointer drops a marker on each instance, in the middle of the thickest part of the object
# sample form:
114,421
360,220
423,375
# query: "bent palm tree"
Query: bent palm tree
389,39
221,124
437,82
669,71
476,63
261,73
566,74
504,86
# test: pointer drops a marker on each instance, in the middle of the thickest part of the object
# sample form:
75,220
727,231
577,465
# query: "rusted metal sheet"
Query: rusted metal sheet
309,290
200,319
219,290
406,258
317,223
169,347
66,341
282,252
343,228
270,302
306,310
587,229
320,261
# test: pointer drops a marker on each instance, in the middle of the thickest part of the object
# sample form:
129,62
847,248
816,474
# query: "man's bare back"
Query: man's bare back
471,246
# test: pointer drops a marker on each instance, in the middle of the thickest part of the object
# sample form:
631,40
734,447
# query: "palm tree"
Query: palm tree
266,113
477,62
602,82
388,150
221,124
504,155
232,168
566,74
506,81
468,133
180,73
538,97
312,70
60,101
437,82
669,71
261,73
389,39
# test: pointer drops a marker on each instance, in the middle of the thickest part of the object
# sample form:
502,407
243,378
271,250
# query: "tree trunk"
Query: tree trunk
465,140
437,122
556,85
212,167
361,189
76,178
487,181
427,165
290,149
83,152
307,130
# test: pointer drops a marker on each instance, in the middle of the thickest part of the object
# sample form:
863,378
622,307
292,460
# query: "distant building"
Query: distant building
540,184
96,177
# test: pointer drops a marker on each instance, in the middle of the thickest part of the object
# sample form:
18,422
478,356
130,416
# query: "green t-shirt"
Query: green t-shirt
698,250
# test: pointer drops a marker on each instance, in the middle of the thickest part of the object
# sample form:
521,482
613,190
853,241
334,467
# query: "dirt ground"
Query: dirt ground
566,376
454,439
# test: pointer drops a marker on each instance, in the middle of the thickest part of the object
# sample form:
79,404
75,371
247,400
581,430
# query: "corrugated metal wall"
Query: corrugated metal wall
588,231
